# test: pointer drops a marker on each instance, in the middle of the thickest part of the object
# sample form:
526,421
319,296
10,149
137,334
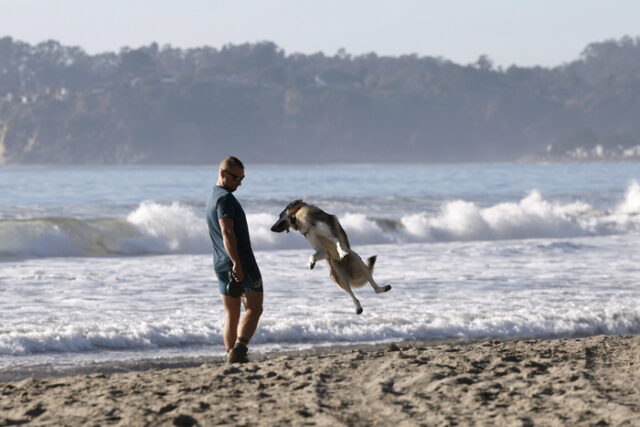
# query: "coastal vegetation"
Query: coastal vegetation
161,104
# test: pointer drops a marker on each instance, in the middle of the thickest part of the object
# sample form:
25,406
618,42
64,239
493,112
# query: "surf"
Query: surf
154,228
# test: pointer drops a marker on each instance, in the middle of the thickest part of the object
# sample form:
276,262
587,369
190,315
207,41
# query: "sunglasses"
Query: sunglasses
236,178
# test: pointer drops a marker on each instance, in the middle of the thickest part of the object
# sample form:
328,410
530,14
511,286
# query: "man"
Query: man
234,261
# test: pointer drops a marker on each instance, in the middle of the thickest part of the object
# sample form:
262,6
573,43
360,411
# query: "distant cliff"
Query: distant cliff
192,106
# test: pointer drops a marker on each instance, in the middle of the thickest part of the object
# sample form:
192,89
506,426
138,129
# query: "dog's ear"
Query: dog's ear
294,203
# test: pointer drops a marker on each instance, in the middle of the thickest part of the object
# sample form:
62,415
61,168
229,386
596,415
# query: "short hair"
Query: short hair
231,162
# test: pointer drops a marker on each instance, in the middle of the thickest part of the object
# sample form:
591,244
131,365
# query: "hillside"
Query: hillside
192,106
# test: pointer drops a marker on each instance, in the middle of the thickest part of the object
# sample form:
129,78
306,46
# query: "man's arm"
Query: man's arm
231,246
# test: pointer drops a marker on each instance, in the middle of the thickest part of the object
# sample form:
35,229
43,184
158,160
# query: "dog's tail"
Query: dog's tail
371,262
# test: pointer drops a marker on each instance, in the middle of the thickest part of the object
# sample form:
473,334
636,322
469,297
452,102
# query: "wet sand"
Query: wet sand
586,381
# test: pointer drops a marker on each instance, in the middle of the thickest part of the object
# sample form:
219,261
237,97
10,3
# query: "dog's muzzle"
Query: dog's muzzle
281,225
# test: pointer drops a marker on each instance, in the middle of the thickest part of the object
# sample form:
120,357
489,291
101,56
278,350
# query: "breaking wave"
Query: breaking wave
176,228
113,335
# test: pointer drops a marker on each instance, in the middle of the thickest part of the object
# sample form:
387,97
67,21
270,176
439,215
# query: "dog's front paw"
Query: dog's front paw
312,262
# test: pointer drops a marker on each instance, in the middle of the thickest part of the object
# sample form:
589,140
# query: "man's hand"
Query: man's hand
236,272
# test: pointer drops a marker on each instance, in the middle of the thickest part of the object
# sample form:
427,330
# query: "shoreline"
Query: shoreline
592,381
45,370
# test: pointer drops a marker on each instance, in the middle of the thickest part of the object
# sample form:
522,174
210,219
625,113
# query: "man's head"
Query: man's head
230,173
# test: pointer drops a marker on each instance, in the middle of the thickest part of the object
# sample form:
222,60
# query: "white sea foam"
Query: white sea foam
631,203
532,217
449,290
112,335
164,229
309,330
127,280
176,228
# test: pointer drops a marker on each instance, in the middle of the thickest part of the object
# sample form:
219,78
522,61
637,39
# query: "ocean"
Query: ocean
105,264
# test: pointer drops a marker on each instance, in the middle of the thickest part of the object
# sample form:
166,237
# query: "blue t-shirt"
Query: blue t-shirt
221,204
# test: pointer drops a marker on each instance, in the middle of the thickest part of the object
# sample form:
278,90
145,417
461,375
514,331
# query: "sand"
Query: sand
587,381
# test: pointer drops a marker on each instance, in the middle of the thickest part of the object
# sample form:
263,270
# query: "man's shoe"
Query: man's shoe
238,354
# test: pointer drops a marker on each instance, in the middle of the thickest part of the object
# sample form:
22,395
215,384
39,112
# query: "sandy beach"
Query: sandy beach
586,381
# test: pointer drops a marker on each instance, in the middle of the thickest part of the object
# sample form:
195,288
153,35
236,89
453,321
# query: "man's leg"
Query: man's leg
231,318
249,322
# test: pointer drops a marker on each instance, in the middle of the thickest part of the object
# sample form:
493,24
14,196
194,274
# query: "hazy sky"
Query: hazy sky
524,32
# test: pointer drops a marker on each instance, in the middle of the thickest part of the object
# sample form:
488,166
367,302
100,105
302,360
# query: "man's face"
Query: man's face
232,178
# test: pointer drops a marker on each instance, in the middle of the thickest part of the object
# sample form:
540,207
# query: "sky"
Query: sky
521,32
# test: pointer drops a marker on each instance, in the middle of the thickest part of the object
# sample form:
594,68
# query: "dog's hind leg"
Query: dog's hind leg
369,274
338,276
348,289
378,289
